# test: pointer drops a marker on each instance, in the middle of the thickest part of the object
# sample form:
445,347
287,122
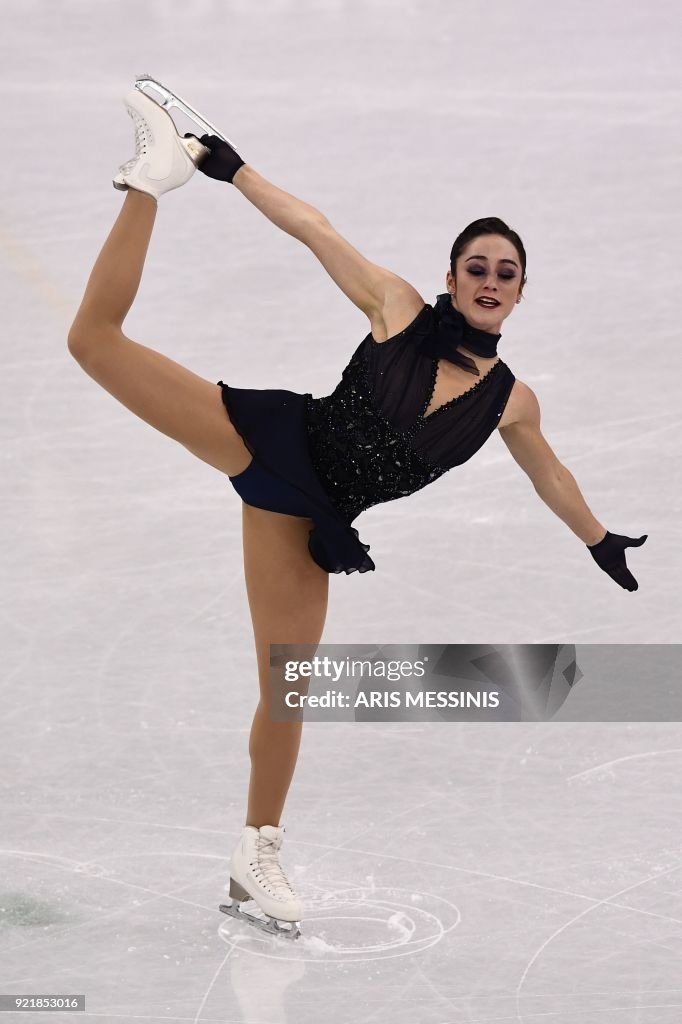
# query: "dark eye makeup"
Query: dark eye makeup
478,271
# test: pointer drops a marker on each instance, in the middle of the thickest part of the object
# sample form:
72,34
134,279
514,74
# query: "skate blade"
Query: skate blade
170,99
270,925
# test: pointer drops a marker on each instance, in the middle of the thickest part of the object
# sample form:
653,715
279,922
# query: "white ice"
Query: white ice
453,873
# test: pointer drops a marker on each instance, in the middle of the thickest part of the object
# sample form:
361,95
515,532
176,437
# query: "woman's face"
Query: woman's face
489,267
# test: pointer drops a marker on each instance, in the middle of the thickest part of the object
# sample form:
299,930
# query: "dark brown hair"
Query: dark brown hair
487,226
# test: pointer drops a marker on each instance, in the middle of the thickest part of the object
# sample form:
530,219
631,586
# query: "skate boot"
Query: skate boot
255,874
163,160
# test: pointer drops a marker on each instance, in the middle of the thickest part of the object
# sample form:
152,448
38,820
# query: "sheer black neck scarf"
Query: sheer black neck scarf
452,330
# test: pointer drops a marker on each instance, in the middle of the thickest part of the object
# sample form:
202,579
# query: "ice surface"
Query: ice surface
453,874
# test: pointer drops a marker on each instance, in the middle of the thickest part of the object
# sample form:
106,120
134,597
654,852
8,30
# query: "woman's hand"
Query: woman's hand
609,554
222,162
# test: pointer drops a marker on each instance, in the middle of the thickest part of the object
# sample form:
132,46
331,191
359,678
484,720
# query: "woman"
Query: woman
404,413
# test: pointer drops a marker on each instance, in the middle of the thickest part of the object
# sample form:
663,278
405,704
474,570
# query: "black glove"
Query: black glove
609,554
223,162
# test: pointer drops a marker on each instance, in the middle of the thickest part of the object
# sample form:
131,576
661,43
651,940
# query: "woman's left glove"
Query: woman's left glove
609,554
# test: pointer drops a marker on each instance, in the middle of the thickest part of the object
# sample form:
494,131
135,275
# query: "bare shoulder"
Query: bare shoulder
401,304
522,407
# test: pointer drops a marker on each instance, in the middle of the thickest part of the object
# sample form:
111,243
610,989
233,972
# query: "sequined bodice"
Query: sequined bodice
361,459
370,441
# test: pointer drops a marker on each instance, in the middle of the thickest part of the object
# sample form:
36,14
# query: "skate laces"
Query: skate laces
143,135
269,868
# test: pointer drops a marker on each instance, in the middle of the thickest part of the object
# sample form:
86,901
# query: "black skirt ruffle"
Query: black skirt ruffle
272,425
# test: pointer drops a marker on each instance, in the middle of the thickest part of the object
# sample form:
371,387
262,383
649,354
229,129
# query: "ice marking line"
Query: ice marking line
126,821
386,821
588,910
377,905
412,587
620,760
212,983
332,849
626,442
129,629
155,1017
157,896
26,854
556,1013
499,878
38,638
149,853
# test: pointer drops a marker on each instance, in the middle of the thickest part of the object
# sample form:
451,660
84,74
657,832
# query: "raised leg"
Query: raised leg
288,597
165,394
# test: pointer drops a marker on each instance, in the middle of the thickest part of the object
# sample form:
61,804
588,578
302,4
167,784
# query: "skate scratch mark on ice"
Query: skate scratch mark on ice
98,673
176,1020
621,760
405,812
214,600
212,983
512,569
104,428
364,853
128,821
599,629
50,858
607,902
38,638
141,568
496,878
95,922
613,446
554,1013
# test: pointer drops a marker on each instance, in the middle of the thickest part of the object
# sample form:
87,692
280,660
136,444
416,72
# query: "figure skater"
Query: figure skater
404,413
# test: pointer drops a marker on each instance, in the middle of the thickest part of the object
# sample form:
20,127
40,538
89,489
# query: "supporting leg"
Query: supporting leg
288,597
273,749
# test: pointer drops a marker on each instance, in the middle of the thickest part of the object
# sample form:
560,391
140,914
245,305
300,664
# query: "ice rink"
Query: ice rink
453,873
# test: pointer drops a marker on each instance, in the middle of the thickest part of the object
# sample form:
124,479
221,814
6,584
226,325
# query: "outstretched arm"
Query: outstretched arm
550,478
370,287
223,163
286,211
558,489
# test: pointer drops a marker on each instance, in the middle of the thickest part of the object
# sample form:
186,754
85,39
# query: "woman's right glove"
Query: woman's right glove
223,162
609,554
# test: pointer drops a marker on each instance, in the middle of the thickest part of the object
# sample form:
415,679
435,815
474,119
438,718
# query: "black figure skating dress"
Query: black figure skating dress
368,442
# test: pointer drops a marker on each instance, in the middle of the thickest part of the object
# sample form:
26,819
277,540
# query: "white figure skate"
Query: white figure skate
256,874
163,160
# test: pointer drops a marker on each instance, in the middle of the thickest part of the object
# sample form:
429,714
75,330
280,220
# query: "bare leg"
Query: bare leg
171,398
116,275
288,595
273,749
287,590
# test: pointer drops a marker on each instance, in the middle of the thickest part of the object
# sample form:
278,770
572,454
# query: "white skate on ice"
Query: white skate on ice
256,874
163,159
